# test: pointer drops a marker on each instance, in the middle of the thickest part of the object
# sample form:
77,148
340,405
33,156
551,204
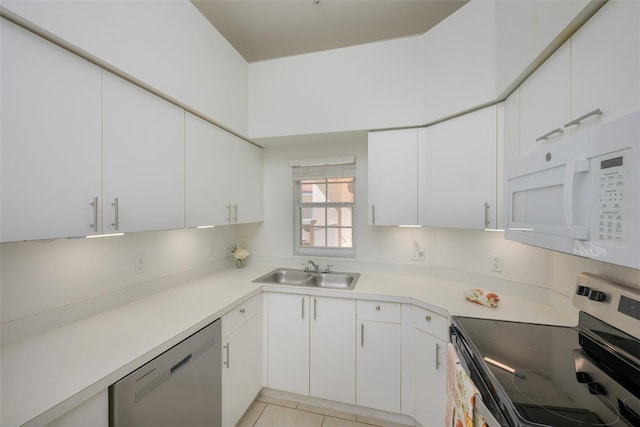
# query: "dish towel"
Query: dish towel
480,296
461,395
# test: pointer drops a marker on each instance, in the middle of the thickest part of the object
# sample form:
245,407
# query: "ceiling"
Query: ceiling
265,29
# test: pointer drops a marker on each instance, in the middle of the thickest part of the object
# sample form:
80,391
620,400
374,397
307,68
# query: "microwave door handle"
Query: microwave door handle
573,167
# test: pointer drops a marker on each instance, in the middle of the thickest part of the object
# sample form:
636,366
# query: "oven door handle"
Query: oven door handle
484,412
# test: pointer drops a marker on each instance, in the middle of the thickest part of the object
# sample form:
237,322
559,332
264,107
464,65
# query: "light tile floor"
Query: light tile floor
268,411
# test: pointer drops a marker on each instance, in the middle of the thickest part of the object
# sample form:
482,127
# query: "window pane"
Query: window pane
313,191
340,191
319,236
312,217
339,237
340,217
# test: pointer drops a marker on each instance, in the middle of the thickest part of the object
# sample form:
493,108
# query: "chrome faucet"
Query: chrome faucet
316,267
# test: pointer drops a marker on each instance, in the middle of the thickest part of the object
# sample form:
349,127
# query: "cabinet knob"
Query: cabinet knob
378,307
242,310
428,318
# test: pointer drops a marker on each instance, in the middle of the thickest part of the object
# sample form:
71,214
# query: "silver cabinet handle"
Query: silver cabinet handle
428,318
116,222
242,310
548,134
315,307
94,226
227,361
303,307
235,213
576,121
437,356
486,215
373,214
377,307
361,334
229,213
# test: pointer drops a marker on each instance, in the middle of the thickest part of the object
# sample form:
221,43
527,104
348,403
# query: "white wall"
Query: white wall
459,58
524,29
467,60
168,45
49,283
374,85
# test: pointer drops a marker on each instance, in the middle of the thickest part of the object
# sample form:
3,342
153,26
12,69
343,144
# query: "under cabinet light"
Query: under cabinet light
93,236
494,229
409,226
205,226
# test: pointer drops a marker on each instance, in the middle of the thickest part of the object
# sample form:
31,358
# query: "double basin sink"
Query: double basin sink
293,277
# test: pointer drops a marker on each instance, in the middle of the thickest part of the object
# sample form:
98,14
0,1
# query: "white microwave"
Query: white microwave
581,196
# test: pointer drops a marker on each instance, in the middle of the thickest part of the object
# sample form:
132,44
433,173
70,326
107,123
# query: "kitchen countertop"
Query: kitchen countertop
47,375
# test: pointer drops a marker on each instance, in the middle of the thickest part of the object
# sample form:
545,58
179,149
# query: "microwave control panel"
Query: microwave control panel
612,182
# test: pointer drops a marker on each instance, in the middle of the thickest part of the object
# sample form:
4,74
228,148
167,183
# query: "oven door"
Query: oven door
487,406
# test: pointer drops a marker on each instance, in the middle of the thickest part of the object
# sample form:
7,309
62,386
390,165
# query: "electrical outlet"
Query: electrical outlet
496,263
418,254
139,264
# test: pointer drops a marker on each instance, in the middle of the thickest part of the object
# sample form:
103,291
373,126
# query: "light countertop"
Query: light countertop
47,375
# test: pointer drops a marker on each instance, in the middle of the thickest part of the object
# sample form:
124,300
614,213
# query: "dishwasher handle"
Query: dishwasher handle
181,364
152,382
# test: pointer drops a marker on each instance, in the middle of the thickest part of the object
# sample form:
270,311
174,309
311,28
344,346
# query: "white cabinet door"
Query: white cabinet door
143,159
333,354
241,379
545,101
393,177
246,182
429,379
51,124
288,342
207,173
378,365
93,412
462,171
605,67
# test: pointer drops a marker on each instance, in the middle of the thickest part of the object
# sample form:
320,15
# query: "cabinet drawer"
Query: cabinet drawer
239,315
432,323
379,311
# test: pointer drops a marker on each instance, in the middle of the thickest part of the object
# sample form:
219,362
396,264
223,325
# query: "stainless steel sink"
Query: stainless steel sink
290,276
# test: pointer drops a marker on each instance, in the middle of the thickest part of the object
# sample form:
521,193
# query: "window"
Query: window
324,208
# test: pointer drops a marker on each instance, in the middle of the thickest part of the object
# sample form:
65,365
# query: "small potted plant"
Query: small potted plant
239,253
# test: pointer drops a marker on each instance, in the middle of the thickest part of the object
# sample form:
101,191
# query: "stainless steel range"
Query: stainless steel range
543,375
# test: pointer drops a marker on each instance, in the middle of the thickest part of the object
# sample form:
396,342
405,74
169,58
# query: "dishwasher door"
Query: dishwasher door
181,387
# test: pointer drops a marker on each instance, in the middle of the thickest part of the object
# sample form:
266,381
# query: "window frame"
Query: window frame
298,205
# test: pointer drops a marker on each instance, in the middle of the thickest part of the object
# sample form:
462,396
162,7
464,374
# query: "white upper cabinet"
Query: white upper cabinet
207,173
246,189
605,72
51,116
223,176
462,155
545,102
143,159
393,177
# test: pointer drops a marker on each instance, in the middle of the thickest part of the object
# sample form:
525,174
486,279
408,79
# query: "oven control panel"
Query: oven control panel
615,303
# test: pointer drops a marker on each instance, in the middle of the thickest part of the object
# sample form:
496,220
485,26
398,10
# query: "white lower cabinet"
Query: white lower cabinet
311,345
241,361
93,412
378,355
287,317
429,367
333,354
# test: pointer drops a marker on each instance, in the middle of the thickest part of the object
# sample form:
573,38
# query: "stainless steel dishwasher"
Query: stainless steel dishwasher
181,387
